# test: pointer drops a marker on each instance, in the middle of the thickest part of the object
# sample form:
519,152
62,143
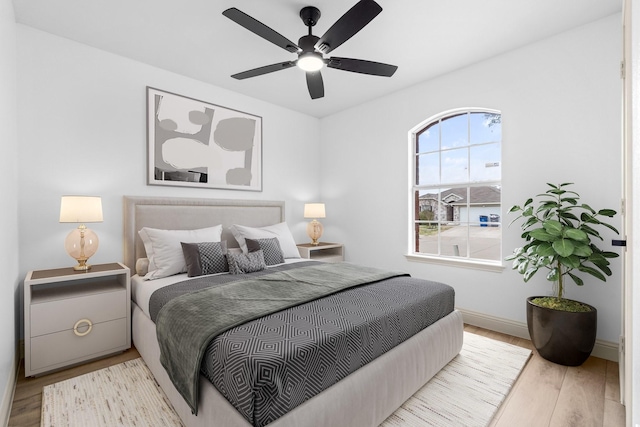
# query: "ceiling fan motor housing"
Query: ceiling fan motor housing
310,16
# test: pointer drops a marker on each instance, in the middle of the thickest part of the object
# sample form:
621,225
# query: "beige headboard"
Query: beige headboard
171,213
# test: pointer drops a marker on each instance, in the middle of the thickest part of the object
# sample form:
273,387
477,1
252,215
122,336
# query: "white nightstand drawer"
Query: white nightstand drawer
61,315
64,347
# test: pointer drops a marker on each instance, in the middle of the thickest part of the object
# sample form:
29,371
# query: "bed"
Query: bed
365,397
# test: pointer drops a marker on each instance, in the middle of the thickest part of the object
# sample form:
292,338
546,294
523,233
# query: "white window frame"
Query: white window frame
412,255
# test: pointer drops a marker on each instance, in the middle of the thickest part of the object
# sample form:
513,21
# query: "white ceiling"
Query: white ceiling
425,38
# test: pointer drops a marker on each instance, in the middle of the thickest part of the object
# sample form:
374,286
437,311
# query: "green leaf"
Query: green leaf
563,247
570,200
610,227
592,271
515,208
578,281
609,254
576,234
529,273
522,267
542,235
585,217
570,261
546,260
587,207
604,268
528,202
553,227
569,216
547,205
582,250
552,276
589,230
545,249
607,212
531,221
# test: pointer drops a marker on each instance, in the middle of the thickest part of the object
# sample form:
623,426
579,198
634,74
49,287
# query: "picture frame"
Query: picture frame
194,143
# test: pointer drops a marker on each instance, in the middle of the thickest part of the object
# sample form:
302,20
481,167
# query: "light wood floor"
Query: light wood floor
545,394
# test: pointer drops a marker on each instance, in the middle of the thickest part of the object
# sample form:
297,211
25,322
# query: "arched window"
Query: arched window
455,186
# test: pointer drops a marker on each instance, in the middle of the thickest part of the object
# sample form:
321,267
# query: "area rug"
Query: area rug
467,392
121,395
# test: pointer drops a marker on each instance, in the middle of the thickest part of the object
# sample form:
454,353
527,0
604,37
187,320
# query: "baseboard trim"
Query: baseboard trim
603,349
9,392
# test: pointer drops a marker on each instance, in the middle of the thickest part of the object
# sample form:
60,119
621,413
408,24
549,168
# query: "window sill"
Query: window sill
496,267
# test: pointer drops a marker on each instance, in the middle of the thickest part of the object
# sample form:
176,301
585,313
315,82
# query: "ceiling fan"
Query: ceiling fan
311,49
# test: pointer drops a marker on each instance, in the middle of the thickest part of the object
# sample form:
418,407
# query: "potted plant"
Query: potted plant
559,232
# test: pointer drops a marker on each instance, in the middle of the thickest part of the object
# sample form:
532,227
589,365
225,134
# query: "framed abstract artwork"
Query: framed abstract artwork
194,143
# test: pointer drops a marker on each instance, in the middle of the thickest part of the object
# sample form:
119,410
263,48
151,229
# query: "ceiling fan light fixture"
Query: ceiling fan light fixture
310,61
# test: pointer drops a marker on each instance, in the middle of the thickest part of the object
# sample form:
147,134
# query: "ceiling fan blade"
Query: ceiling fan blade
315,84
348,25
260,29
264,70
362,66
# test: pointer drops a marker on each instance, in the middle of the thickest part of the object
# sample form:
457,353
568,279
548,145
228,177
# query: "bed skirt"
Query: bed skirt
365,398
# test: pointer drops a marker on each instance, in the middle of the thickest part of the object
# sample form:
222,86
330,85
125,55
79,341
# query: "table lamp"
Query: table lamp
82,243
314,228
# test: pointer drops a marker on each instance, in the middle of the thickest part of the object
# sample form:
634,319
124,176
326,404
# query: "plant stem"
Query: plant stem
560,272
560,284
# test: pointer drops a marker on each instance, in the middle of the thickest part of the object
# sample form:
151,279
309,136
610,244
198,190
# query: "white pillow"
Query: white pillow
280,231
165,252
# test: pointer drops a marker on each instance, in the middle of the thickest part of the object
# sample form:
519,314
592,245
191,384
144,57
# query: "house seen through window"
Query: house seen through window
456,183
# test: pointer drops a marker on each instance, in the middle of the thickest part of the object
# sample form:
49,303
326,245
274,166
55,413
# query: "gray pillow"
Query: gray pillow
245,263
205,258
270,249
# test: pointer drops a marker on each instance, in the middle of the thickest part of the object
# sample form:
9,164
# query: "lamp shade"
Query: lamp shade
81,209
314,210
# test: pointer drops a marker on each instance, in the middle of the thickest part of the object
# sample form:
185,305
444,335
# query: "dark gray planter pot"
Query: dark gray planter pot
562,337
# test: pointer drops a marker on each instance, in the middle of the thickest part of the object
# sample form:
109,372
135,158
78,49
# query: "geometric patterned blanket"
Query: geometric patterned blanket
268,366
186,324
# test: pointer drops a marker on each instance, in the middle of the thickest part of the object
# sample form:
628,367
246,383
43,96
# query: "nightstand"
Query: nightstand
72,316
325,252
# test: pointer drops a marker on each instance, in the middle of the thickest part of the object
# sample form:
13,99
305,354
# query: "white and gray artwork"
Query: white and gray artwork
193,143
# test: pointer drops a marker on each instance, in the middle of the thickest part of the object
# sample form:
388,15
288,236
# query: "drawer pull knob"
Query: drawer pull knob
80,323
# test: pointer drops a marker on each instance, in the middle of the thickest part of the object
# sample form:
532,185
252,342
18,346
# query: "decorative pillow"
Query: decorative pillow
205,258
270,249
142,266
246,263
280,231
164,250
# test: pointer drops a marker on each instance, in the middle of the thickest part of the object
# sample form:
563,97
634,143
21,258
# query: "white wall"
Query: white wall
560,103
82,130
9,209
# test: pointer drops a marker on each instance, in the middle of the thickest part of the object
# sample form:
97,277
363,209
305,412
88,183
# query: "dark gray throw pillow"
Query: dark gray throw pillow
205,258
270,248
245,263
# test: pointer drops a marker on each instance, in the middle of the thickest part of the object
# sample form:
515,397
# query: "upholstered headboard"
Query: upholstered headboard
171,213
